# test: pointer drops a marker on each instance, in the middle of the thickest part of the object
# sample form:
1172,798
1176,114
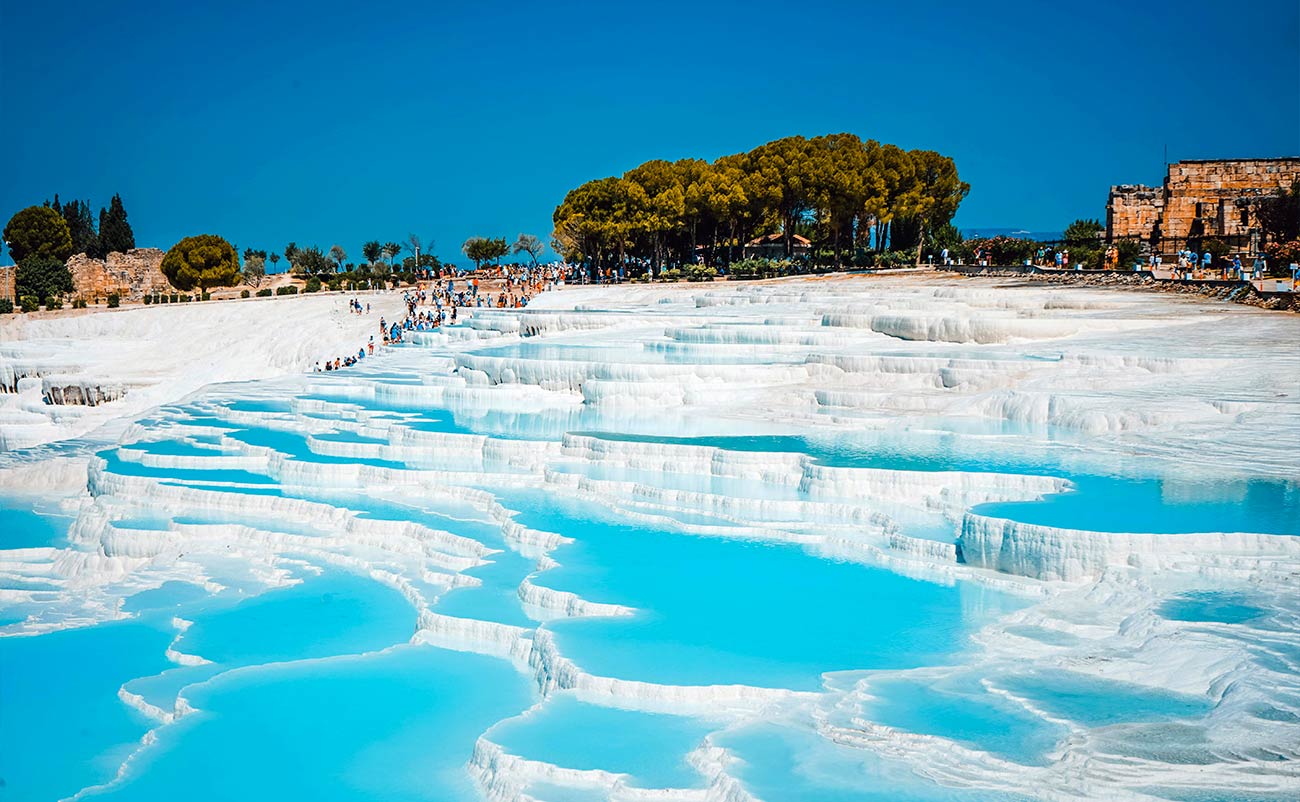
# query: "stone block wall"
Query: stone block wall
130,274
1134,210
1219,193
8,279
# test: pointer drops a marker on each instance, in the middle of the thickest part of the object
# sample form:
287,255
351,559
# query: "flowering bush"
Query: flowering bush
1002,250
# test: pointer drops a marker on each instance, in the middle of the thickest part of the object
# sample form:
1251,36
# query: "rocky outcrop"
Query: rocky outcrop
1240,292
130,274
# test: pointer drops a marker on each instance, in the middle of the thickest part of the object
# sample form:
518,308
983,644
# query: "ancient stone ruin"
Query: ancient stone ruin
130,275
1211,198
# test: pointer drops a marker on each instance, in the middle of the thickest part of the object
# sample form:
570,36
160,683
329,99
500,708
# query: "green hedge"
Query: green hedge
289,290
114,301
6,306
243,293
53,303
29,303
265,292
761,268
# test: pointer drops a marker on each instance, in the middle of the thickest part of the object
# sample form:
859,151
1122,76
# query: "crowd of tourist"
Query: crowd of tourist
437,304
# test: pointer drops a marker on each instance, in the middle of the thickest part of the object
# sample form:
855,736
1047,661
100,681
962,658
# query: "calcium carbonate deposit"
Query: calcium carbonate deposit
849,539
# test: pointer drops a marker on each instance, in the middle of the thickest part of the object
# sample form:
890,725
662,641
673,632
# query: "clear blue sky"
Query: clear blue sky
333,123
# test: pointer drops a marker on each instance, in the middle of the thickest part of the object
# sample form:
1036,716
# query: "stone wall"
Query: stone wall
129,274
8,277
1219,193
1134,210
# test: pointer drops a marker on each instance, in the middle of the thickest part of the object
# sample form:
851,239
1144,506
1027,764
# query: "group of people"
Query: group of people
436,305
355,307
1192,265
1059,258
339,363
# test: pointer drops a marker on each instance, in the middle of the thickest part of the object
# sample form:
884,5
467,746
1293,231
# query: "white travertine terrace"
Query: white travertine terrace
1165,382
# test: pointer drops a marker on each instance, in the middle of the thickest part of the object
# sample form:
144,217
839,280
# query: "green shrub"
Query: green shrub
265,292
6,306
700,272
148,299
185,299
243,293
79,303
762,268
53,303
286,290
29,303
335,285
176,298
207,296
114,301
313,285
896,259
164,298
1130,251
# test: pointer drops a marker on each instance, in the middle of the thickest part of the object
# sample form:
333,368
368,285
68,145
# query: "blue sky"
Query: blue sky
333,123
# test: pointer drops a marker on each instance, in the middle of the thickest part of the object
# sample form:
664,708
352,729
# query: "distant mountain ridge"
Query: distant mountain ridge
1021,233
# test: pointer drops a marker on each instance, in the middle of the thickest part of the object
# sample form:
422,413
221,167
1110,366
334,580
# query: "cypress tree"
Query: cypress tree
114,231
81,225
100,252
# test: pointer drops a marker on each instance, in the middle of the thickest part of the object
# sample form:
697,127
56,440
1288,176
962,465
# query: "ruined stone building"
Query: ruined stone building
8,277
129,274
1201,197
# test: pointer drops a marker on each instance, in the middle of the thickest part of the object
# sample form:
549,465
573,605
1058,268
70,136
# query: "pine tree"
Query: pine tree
115,233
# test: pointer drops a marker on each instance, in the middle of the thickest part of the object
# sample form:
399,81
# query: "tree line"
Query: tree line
852,198
489,249
41,239
61,230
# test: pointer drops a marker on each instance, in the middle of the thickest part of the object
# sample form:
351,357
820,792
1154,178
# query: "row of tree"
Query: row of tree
41,239
844,194
491,249
60,230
